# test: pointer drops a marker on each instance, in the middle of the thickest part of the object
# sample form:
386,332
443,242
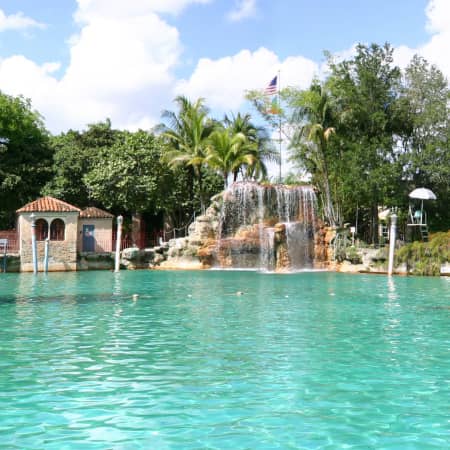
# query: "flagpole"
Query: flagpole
279,120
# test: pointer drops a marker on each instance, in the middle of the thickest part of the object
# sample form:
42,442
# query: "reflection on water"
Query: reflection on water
392,295
310,360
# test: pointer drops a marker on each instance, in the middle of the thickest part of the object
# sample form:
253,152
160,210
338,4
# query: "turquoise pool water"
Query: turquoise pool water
299,361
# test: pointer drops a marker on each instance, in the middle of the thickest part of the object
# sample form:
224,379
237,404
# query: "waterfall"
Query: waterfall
300,245
267,256
267,227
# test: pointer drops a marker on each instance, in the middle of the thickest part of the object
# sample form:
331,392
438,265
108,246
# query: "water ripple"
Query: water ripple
189,365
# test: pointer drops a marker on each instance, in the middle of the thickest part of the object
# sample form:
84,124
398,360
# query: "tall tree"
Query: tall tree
258,144
379,135
186,133
25,155
312,121
75,153
424,110
364,91
129,175
227,153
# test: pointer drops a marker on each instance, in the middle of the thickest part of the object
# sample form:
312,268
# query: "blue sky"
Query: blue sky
81,61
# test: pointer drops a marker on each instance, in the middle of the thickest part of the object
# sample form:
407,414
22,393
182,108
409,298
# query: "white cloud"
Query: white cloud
89,10
223,81
438,15
120,67
114,56
436,50
403,55
17,21
243,10
20,76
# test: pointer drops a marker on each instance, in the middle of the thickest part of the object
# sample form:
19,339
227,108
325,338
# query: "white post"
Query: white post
47,242
119,239
4,244
352,231
392,237
33,243
279,123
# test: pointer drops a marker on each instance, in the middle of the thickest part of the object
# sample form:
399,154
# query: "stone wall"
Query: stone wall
191,252
12,263
96,261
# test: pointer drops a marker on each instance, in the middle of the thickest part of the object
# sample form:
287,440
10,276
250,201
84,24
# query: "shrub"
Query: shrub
425,258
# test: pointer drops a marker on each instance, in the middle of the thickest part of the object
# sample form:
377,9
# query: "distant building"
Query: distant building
95,228
68,228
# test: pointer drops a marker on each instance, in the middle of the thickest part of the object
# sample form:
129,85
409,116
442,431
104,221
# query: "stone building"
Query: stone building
68,229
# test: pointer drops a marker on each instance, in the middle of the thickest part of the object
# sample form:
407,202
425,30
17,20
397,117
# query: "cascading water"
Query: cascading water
267,227
268,257
300,245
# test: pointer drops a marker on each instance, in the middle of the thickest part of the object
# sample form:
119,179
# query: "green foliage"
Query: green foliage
312,122
257,147
201,145
264,105
129,174
368,135
364,90
228,152
239,147
425,258
25,156
294,179
381,257
425,150
124,172
352,255
186,133
75,153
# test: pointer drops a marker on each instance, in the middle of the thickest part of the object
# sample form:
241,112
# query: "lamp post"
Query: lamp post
353,231
392,237
47,243
33,243
118,240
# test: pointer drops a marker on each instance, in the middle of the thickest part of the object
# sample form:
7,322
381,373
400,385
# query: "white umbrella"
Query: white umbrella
422,194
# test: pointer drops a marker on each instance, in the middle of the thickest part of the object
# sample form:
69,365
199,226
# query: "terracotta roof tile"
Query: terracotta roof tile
95,213
48,204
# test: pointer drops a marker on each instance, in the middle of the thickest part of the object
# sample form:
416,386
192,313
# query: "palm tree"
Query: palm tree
186,134
259,145
311,138
228,152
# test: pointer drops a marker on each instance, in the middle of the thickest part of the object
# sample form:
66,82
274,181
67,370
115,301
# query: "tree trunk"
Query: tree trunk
374,224
200,189
329,209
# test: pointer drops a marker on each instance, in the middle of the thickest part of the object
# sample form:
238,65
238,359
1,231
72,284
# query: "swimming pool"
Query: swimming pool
178,360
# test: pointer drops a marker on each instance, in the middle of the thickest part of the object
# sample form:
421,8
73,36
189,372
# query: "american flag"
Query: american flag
271,88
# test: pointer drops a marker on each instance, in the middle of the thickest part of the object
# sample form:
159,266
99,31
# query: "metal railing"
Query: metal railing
10,240
182,231
106,242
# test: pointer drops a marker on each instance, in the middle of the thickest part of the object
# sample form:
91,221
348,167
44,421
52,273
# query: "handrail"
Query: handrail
184,227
